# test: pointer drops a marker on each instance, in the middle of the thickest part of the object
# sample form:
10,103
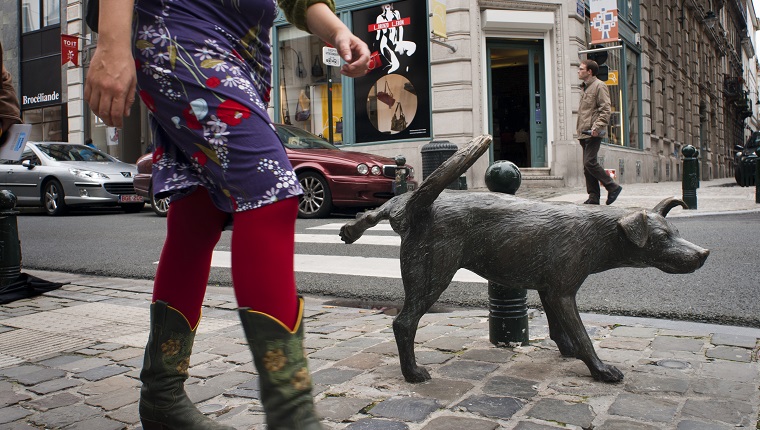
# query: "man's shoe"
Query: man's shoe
591,201
613,195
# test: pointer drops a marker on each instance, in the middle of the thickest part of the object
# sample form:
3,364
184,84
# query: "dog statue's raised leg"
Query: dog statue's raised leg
565,310
351,231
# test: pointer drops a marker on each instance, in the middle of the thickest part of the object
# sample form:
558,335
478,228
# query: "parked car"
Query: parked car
59,175
745,161
330,177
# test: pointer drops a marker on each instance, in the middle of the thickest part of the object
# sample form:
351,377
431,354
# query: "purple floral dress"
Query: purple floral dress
204,72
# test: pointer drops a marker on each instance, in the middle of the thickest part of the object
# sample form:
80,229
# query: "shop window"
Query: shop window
47,123
38,14
303,89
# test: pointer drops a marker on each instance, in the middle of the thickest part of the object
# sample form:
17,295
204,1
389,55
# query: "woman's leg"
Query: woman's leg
263,244
193,228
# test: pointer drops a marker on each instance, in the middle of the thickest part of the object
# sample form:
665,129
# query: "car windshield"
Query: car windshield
59,152
296,138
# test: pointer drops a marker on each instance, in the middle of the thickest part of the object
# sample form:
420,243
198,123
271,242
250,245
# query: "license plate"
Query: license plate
131,198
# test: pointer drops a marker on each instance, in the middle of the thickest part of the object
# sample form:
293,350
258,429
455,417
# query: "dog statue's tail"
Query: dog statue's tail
448,172
416,203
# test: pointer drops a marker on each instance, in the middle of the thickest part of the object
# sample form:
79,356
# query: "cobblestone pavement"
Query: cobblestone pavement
70,359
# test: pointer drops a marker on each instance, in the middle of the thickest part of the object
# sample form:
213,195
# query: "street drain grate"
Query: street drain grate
388,308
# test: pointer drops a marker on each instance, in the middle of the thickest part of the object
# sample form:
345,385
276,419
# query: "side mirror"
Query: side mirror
28,164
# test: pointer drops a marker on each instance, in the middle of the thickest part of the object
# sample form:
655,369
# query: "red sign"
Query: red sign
69,49
389,24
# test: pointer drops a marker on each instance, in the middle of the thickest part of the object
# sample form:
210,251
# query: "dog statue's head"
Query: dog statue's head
657,243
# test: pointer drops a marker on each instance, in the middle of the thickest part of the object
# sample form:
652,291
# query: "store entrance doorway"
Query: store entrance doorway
516,102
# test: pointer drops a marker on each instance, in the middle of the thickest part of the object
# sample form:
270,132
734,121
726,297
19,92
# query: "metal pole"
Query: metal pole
329,105
10,245
690,180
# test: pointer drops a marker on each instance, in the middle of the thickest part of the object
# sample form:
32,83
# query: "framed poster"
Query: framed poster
393,99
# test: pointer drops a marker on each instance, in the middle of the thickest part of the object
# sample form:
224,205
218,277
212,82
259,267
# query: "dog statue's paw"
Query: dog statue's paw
416,375
608,374
346,236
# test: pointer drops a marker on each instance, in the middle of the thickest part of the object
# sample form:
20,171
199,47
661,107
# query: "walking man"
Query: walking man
593,117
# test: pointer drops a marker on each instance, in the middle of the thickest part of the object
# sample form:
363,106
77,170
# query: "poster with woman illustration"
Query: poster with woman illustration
393,100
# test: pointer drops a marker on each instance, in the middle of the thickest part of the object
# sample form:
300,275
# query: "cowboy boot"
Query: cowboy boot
283,372
164,405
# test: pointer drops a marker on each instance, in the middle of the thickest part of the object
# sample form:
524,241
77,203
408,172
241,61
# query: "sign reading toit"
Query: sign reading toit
604,20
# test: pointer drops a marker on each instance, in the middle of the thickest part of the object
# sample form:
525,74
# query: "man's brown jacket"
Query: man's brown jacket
594,109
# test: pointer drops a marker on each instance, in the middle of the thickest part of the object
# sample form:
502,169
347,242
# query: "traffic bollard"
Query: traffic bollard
400,185
10,246
508,307
508,315
690,181
757,176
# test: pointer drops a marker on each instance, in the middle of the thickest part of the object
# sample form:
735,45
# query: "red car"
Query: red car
329,176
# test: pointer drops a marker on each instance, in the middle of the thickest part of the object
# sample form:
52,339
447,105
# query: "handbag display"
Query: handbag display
303,108
91,14
386,96
339,126
398,123
316,69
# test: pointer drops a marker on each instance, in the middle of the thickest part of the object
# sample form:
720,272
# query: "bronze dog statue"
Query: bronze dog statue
548,247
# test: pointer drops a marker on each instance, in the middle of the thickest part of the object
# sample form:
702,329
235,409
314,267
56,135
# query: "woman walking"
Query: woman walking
203,69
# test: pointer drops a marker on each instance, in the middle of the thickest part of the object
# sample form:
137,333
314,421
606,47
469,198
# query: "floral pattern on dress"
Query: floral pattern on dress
204,72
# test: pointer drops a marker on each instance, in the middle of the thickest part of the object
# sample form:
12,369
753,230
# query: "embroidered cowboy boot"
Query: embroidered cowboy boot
283,373
164,405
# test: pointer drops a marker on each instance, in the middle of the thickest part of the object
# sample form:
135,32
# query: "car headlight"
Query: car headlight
376,170
362,169
87,174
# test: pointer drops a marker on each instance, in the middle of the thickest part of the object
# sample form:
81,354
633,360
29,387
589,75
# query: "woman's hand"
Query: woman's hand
109,87
323,23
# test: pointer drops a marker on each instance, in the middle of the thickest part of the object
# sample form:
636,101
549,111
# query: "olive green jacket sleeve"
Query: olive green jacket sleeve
295,10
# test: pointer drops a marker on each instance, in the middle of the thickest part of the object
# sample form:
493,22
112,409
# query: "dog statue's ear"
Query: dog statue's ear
666,205
635,227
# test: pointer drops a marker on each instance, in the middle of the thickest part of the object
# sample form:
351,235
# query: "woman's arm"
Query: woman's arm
110,83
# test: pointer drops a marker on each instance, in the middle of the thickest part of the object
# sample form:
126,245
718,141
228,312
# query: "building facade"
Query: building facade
682,72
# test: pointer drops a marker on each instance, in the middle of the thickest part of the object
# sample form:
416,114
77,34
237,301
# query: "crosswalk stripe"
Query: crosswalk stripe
337,225
334,238
346,265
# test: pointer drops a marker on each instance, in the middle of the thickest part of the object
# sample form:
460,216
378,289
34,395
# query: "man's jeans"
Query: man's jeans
593,172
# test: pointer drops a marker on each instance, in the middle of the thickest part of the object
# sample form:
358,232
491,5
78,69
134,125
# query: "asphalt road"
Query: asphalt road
725,291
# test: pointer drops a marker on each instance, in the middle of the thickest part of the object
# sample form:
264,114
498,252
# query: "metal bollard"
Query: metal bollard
757,176
508,307
508,315
690,181
400,186
10,245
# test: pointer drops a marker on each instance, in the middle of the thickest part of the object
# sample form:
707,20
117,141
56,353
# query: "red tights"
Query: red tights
263,244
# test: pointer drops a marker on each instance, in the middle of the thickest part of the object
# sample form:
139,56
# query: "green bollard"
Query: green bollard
757,176
400,186
508,307
690,181
10,246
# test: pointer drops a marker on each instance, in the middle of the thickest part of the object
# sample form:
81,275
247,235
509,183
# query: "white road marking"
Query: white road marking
346,265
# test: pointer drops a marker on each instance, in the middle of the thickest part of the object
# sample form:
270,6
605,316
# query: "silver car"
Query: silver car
58,175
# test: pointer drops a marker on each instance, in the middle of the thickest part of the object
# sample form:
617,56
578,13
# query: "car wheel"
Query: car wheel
316,201
53,198
160,206
132,208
